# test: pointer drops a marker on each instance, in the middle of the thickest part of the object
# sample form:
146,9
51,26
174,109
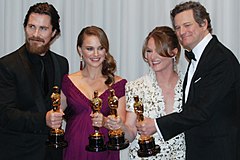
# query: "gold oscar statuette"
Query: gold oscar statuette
96,139
56,136
146,143
116,137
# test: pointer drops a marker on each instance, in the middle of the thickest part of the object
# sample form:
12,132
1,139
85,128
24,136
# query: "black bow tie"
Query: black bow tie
190,55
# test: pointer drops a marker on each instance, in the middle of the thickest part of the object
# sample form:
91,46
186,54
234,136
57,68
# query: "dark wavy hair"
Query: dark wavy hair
47,9
165,41
109,64
199,13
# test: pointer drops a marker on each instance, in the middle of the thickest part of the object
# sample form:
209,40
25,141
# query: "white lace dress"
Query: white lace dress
150,94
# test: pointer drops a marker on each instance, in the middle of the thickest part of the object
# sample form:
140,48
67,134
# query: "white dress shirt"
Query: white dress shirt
197,50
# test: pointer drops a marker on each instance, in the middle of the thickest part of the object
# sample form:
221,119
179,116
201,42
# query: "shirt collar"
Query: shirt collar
198,49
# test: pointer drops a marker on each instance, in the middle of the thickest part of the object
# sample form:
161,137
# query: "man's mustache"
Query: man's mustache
36,39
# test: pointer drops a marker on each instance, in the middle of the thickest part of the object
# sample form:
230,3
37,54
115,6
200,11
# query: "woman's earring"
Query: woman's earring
175,64
81,62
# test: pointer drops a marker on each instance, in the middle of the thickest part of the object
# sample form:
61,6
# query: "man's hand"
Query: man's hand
146,127
54,119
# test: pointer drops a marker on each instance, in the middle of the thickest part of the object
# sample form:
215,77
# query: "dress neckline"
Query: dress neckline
102,95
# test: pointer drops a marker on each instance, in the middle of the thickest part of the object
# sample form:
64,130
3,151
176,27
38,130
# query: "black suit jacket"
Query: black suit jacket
209,118
23,106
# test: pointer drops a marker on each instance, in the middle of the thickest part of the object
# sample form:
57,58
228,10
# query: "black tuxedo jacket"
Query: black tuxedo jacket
209,117
23,106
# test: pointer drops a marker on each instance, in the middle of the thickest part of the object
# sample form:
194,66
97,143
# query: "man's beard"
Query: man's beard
35,49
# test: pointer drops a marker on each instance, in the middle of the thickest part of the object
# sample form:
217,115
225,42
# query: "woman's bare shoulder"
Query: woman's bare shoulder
117,78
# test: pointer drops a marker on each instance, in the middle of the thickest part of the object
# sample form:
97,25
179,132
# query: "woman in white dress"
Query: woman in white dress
160,92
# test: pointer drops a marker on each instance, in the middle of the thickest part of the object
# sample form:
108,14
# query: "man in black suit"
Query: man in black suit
27,77
211,87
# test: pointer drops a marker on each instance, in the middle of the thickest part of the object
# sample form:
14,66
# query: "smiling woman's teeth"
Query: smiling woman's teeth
156,62
95,59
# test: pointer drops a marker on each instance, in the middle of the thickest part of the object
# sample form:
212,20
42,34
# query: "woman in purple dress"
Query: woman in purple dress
96,74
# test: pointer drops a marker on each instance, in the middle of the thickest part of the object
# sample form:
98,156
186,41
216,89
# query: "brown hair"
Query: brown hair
165,41
109,64
47,9
199,13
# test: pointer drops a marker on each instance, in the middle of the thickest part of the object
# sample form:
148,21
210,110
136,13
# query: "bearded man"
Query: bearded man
27,77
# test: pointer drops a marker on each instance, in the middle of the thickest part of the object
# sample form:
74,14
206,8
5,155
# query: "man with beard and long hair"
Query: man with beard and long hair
27,77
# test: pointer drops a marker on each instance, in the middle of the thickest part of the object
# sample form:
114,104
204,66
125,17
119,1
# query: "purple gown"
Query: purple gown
79,124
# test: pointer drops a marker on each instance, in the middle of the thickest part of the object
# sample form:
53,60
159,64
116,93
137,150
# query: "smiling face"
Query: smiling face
157,62
39,33
92,51
188,31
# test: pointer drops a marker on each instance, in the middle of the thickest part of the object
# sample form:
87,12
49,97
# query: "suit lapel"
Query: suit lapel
201,67
185,83
57,73
36,89
206,52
